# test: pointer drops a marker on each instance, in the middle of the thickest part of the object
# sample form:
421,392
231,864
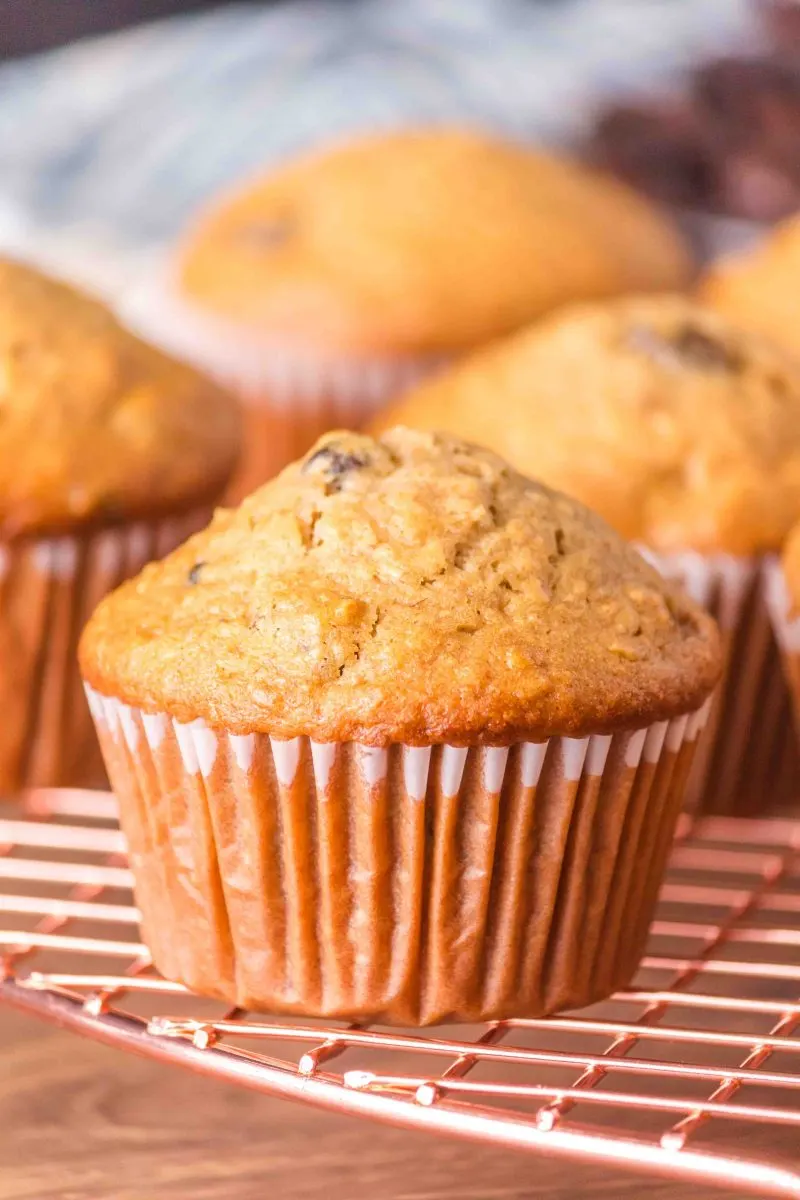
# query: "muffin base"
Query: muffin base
290,394
48,589
749,757
409,885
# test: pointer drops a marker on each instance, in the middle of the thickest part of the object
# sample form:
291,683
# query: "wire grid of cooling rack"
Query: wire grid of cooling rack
693,1072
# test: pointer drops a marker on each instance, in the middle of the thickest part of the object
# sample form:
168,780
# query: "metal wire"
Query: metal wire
693,1073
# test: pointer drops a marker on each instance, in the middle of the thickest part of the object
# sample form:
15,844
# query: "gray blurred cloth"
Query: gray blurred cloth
107,146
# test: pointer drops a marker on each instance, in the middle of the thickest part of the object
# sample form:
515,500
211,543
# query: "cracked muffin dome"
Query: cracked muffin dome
681,429
96,426
410,588
422,241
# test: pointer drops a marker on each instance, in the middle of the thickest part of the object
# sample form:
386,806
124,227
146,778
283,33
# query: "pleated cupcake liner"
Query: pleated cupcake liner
749,756
291,394
786,621
410,885
48,590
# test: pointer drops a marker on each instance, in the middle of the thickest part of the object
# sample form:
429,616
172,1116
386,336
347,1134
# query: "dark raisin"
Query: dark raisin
333,465
265,235
194,573
701,350
688,347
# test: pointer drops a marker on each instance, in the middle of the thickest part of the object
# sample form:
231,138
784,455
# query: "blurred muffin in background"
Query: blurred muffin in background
683,431
760,289
110,454
338,280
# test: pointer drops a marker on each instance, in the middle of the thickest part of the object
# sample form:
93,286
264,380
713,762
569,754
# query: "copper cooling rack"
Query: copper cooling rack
693,1072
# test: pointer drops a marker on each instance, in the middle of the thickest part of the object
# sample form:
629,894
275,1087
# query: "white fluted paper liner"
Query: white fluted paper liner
786,622
406,884
749,757
48,589
784,614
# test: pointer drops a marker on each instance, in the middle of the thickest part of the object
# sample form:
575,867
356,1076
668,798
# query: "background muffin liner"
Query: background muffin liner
48,589
786,620
410,885
748,758
290,394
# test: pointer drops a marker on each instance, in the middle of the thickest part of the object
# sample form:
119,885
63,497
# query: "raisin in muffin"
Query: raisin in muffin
337,279
683,431
404,737
110,453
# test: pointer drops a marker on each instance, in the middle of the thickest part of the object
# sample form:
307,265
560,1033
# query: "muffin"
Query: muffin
684,433
402,738
110,453
340,278
759,289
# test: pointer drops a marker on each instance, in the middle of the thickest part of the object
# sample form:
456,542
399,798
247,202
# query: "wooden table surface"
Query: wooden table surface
79,1121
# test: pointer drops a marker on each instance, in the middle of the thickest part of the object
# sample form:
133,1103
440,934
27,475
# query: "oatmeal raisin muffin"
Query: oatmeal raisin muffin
404,737
110,453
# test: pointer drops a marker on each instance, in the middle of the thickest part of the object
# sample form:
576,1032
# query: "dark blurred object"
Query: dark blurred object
30,25
781,20
730,144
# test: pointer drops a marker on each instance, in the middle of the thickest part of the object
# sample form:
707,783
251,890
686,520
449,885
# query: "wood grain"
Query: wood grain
79,1121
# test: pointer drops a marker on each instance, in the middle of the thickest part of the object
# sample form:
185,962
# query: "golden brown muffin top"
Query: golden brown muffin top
680,429
423,241
412,588
95,425
759,288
